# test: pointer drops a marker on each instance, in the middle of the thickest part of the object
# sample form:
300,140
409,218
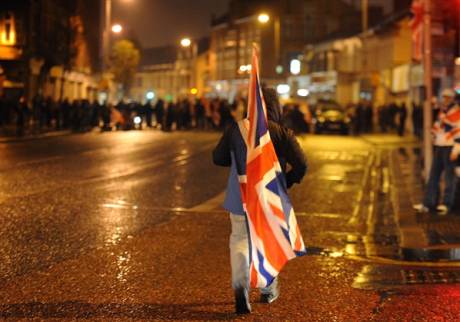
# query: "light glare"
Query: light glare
295,67
186,42
283,89
303,92
263,18
150,95
117,28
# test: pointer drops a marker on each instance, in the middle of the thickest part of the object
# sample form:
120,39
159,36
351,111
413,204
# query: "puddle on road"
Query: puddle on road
431,255
375,276
372,277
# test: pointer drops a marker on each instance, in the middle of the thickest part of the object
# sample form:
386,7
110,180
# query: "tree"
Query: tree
124,60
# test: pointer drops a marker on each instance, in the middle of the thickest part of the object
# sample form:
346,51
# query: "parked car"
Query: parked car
329,116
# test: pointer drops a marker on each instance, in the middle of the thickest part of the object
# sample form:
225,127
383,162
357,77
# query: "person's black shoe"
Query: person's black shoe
270,294
242,305
269,298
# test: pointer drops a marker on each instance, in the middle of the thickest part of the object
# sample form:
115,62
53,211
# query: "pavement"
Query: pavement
127,226
423,236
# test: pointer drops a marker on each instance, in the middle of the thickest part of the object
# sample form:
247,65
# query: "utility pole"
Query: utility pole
365,14
427,110
106,25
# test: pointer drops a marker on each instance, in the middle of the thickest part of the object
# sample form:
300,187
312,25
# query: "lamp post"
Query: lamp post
185,42
107,19
264,18
189,48
117,28
365,14
427,109
107,30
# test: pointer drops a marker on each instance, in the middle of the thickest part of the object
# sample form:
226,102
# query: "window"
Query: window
7,29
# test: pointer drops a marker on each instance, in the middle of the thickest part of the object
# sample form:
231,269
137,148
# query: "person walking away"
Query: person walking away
417,117
159,113
200,114
368,117
105,115
402,115
358,118
148,112
232,149
446,133
170,116
382,118
186,114
22,113
392,111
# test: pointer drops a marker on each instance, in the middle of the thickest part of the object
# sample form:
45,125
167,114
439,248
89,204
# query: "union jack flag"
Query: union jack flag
274,234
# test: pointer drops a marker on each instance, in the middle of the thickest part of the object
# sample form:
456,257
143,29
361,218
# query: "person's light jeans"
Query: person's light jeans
239,255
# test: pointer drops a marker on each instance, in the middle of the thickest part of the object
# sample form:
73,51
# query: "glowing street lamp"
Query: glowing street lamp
185,42
117,28
263,18
150,95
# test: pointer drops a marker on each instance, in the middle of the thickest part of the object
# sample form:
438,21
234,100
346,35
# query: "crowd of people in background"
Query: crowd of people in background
45,114
393,117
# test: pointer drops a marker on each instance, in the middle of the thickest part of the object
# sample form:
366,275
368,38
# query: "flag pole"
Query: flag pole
427,110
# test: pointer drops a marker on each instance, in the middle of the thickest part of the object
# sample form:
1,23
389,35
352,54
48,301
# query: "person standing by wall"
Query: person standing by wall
446,134
402,116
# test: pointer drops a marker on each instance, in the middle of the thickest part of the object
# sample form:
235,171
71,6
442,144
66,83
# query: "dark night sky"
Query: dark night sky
163,22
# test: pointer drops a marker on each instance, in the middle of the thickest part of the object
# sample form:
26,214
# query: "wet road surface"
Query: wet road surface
123,226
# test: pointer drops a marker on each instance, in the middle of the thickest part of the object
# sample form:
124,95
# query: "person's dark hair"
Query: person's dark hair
272,103
271,97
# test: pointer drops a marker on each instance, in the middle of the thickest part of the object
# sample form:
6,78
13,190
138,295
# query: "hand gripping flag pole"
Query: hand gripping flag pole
274,235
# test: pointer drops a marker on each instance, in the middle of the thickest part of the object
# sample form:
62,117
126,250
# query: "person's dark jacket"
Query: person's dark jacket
286,146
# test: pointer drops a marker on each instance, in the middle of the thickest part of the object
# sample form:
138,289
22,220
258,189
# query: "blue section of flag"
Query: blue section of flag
282,193
273,186
448,127
262,270
286,234
262,127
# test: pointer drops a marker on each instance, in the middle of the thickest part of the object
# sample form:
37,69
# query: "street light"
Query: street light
189,56
185,42
150,95
117,28
303,92
263,18
295,67
283,89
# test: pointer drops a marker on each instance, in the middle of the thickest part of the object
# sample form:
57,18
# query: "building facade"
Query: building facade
292,24
174,72
373,66
48,47
156,74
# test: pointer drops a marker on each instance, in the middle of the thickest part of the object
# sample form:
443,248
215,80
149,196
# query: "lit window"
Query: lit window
7,30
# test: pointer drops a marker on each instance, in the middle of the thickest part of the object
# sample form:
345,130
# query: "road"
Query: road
128,226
